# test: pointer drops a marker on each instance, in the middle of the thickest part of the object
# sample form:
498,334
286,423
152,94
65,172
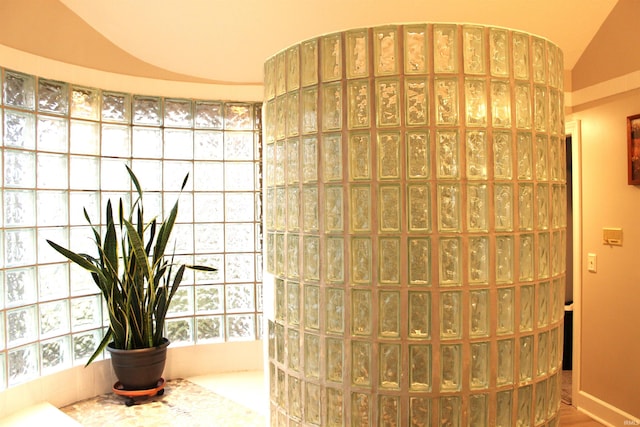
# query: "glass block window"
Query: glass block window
63,150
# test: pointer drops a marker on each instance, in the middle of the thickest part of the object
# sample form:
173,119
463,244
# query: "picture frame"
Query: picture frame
633,149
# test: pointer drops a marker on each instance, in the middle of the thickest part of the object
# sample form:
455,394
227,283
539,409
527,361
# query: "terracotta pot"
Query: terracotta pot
139,369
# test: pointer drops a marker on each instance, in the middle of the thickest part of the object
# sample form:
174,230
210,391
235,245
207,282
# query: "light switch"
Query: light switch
612,236
591,263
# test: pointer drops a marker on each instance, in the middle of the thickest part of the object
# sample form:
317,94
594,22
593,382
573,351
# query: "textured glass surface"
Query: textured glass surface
385,50
19,129
53,96
52,134
19,90
116,107
85,103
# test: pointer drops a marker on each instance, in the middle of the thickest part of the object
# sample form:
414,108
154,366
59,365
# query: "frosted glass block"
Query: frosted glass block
85,103
113,175
359,101
500,104
147,110
86,313
293,114
543,205
526,252
280,119
53,281
504,259
505,362
479,310
84,137
540,402
526,359
420,367
450,254
525,156
280,74
420,411
19,90
524,109
449,207
446,102
309,55
335,310
524,406
389,409
178,144
503,207
239,267
115,141
270,78
388,92
209,329
415,49
182,302
208,115
419,315
539,60
178,113
475,92
359,156
55,354
332,107
418,155
239,146
313,404
147,142
521,59
211,238
149,173
293,211
22,326
334,209
502,155
525,207
390,361
540,111
279,306
479,373
361,363
335,259
389,155
503,408
81,200
361,260
331,48
389,261
293,349
293,303
239,298
208,299
445,48
207,176
477,208
239,207
543,255
361,312
20,287
208,145
310,159
559,206
478,410
19,129
557,157
174,173
179,331
476,154
292,58
312,355
357,53
448,153
239,176
295,398
19,247
450,315
19,208
389,208
555,108
360,202
331,157
311,307
271,118
385,50
499,52
389,315
19,169
53,96
53,134
419,208
22,364
238,116
309,208
451,368
506,308
473,52
543,304
116,107
52,171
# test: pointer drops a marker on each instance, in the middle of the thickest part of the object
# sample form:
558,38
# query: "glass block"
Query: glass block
312,355
55,354
479,310
450,253
540,405
241,327
292,114
389,314
555,358
309,208
20,247
311,257
332,111
53,96
22,325
419,314
180,330
390,360
389,409
500,104
116,141
310,159
420,411
280,118
449,207
555,107
209,299
238,116
208,115
331,57
182,302
22,364
53,281
539,60
502,155
543,255
19,90
361,208
540,110
542,360
332,157
178,112
359,101
506,308
389,253
85,103
293,68
309,54
295,398
419,261
525,207
526,359
209,329
499,52
451,368
20,287
147,110
479,373
445,48
53,134
293,303
389,155
542,157
238,176
310,110
335,411
447,160
84,137
334,209
504,401
385,50
524,406
359,156
475,102
280,77
178,144
524,110
476,154
311,307
361,260
147,142
521,59
86,313
450,315
505,362
526,253
357,53
389,209
279,306
361,316
116,107
293,211
270,78
420,367
19,129
477,208
478,410
419,208
503,200
387,102
473,53
19,208
335,310
415,49
418,155
361,363
543,206
239,298
446,102
19,169
239,267
78,202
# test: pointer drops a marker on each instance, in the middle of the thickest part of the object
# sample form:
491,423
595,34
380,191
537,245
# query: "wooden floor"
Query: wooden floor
569,416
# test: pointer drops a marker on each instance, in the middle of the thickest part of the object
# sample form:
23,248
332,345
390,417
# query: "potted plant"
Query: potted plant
137,280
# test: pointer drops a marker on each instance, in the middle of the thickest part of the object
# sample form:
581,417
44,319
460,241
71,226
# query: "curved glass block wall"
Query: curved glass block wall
63,149
415,217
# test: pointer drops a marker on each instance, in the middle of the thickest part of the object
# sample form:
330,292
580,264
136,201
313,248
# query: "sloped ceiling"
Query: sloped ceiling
228,41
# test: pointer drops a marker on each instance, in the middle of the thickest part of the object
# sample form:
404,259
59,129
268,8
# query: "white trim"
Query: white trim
604,412
601,90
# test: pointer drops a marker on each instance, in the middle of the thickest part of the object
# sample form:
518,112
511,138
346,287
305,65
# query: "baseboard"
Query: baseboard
603,412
